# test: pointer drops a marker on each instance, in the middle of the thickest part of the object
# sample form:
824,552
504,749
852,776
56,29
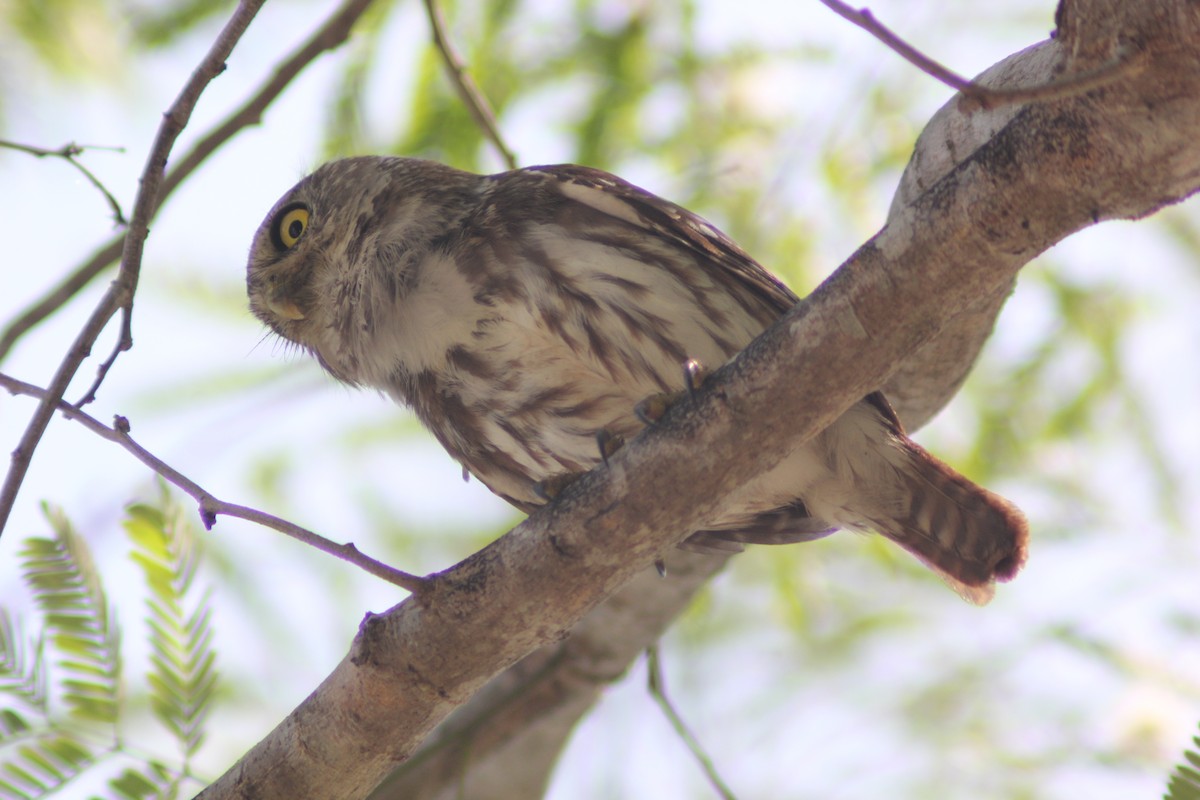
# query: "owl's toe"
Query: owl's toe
608,444
652,409
555,485
694,375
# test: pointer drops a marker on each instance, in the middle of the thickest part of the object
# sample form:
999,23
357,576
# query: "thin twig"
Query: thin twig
211,507
67,153
1121,65
467,89
120,294
658,691
329,36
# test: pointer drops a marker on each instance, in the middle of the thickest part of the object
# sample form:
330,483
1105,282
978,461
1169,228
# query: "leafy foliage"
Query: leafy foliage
77,618
42,747
182,677
1185,782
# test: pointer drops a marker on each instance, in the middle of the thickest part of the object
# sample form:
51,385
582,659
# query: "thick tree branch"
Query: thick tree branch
1123,151
522,757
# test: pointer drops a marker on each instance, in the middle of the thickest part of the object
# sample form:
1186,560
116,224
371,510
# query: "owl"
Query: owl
527,317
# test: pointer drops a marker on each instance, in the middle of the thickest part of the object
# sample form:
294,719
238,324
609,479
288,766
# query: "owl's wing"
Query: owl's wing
622,200
618,198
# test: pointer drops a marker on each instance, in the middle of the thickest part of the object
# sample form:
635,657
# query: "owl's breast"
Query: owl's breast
515,354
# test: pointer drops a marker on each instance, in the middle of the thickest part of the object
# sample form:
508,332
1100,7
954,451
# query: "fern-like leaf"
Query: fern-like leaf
182,675
154,780
43,765
1185,782
78,621
21,676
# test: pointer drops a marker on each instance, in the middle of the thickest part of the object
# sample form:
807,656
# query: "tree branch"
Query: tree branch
658,690
154,190
976,95
120,293
67,153
211,507
468,91
490,759
1051,170
329,36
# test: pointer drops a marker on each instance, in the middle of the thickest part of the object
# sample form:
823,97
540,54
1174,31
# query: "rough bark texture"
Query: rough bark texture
985,194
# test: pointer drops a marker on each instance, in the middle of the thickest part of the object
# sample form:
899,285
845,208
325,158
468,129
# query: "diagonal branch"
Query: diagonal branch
330,35
67,153
210,506
120,294
154,190
468,91
658,690
1053,169
985,97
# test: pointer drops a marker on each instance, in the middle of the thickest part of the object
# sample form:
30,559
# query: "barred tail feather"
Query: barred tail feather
968,535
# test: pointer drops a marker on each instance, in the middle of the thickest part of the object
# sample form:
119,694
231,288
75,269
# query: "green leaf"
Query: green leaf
78,619
45,764
11,724
21,675
182,677
155,780
1185,781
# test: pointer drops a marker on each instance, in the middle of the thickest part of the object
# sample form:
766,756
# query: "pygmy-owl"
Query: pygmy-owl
521,314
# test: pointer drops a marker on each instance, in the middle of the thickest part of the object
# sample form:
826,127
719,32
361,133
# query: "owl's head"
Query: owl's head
344,245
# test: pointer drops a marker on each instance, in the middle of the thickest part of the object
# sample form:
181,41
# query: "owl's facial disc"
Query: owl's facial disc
285,230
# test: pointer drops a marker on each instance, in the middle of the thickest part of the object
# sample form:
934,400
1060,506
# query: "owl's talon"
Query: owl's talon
609,444
553,486
694,376
652,409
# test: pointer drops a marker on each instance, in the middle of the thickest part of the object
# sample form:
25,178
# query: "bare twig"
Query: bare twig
1121,65
211,507
120,294
67,153
124,342
470,93
329,36
658,691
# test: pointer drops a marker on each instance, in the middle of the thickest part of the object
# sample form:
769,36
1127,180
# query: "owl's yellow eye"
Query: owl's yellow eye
290,225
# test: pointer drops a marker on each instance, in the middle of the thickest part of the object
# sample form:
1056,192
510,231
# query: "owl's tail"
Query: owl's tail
968,535
863,473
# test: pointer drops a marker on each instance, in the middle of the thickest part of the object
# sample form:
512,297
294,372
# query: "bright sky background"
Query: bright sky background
816,727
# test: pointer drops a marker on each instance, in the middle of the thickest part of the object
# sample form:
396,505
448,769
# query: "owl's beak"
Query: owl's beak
287,309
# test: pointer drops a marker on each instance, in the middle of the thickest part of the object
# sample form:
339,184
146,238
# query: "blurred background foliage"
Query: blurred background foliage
840,668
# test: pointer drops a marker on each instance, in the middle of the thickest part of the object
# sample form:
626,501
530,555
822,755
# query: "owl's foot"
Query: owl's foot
652,409
694,376
606,443
555,485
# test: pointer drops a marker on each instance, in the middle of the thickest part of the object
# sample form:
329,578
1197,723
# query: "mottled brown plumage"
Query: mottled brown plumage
520,314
